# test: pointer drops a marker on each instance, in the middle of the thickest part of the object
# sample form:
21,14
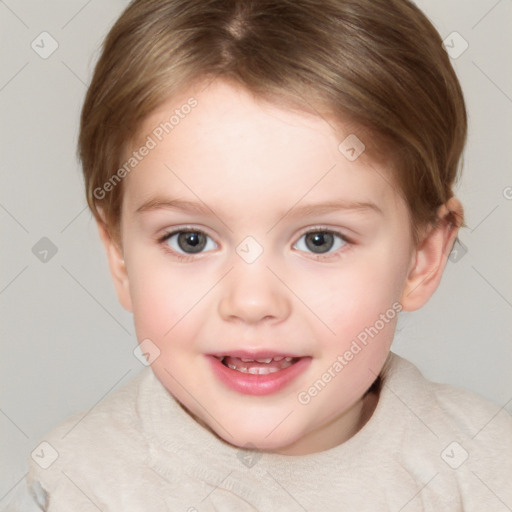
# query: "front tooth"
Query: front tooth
264,360
253,370
244,360
288,358
232,366
266,371
278,358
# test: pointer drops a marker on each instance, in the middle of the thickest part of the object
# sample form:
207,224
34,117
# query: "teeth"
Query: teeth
265,360
254,370
261,371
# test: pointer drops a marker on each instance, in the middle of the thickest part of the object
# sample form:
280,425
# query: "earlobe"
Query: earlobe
430,257
117,266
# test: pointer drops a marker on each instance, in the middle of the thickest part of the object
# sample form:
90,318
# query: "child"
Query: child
272,181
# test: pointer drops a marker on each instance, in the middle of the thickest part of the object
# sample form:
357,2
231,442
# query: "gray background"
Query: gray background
66,343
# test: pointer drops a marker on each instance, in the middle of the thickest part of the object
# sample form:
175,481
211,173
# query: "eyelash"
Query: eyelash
328,256
178,255
190,257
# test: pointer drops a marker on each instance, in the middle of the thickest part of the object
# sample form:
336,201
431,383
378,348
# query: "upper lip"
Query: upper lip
256,354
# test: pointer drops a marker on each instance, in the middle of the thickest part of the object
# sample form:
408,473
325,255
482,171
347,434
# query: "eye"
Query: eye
320,242
188,241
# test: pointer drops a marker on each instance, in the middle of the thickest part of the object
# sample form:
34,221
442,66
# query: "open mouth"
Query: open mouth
260,373
260,366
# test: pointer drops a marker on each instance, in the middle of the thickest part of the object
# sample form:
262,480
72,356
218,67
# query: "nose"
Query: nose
253,294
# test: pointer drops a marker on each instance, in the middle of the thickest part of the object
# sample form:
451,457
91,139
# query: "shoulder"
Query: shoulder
23,499
449,408
92,439
453,438
470,414
117,409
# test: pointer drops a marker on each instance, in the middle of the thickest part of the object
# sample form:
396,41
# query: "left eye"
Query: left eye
320,242
189,242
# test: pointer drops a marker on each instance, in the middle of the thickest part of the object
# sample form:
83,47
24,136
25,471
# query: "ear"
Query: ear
430,256
117,266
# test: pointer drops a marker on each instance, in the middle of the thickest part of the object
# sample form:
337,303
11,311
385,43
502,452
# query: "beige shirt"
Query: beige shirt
427,447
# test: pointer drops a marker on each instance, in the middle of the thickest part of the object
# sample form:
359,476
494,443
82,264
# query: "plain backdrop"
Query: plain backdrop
65,341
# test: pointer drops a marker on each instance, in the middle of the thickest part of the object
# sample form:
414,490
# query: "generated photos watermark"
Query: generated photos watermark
342,360
151,142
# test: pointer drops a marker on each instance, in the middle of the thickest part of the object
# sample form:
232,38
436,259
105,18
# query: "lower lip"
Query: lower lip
249,384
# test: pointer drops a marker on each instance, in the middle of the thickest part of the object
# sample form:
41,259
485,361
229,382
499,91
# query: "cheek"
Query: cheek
163,295
356,296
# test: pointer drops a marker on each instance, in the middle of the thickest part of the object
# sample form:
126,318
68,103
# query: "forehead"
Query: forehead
233,148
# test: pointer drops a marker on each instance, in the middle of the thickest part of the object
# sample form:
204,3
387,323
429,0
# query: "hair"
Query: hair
379,64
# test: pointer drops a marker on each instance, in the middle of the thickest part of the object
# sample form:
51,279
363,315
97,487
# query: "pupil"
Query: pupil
320,242
191,241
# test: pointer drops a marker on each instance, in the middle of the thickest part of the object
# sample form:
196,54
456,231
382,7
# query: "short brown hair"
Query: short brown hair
378,63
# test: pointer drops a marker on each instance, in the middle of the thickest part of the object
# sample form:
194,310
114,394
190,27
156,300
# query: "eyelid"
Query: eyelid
170,232
327,229
348,242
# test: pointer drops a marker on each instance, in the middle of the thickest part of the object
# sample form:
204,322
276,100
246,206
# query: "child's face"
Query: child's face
245,177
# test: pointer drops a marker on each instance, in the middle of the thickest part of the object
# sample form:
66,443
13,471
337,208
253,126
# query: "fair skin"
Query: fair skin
253,167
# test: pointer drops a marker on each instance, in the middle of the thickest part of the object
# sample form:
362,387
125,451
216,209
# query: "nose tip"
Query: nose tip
252,294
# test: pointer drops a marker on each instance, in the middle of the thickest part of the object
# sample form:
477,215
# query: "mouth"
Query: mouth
257,373
258,366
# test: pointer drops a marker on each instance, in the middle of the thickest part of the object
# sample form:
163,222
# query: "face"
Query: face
266,267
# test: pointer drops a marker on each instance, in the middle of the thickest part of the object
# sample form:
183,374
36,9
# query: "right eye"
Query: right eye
188,242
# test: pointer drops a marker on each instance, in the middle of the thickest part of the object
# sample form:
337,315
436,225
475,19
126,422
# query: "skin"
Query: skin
253,165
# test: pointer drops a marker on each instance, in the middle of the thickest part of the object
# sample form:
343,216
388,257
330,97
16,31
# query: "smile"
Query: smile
257,374
262,366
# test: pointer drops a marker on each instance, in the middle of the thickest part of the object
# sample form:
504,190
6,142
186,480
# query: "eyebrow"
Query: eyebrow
294,211
173,204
